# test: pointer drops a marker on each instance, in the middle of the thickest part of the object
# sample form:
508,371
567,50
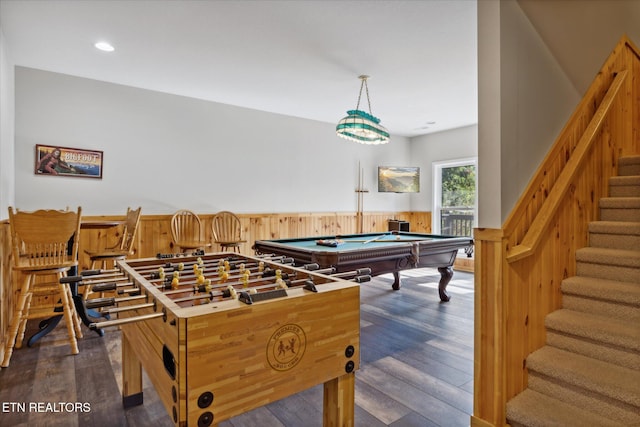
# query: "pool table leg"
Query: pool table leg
446,273
396,281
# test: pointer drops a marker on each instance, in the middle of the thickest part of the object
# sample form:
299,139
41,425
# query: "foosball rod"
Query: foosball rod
231,274
331,271
358,272
211,294
100,286
225,293
220,284
110,301
129,308
190,277
118,322
84,280
170,267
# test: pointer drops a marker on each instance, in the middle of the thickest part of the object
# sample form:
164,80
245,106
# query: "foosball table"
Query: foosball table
219,335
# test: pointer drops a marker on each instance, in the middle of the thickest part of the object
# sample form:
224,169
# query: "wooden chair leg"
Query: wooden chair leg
76,317
15,322
23,322
69,314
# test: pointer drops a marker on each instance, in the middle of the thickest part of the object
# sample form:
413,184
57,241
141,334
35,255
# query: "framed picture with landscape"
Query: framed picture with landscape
65,161
398,179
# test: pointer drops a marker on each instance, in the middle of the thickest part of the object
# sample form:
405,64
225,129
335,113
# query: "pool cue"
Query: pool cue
389,241
374,239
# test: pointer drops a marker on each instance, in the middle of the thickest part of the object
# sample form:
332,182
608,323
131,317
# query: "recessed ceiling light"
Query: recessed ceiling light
104,46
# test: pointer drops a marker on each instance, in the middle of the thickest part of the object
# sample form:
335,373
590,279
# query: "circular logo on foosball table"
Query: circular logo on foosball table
286,347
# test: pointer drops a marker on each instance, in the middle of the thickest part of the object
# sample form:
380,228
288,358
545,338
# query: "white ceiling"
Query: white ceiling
299,58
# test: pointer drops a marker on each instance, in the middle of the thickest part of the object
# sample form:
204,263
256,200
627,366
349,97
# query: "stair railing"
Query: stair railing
541,222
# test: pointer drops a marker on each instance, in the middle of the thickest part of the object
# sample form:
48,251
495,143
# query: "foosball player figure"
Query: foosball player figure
175,282
245,279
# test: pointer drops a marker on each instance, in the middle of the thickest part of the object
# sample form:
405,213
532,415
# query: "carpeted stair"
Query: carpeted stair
588,374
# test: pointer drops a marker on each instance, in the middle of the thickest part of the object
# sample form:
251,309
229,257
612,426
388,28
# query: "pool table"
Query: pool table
388,252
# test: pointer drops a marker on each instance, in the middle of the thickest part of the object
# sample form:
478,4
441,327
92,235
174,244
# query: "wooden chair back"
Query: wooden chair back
186,227
44,238
227,228
131,224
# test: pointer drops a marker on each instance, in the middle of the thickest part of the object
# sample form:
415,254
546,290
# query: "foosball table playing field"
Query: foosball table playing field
219,335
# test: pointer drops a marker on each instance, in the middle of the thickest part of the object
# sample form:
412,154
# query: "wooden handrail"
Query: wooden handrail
540,223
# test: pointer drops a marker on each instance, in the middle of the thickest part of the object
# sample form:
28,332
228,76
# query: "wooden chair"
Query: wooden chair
123,248
119,251
44,243
186,231
227,231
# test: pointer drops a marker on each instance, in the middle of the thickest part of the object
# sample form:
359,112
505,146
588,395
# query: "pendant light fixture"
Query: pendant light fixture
360,126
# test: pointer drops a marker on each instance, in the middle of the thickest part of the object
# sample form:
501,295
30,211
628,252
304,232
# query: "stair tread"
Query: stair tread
609,290
615,227
609,256
616,382
620,202
533,408
625,180
599,328
632,159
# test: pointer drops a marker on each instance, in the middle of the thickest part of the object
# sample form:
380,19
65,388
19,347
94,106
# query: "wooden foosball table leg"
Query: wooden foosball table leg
339,398
131,376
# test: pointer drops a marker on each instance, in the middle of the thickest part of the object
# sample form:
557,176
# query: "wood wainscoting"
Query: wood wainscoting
154,237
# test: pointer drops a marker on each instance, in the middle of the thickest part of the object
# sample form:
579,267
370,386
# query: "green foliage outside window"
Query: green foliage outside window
459,186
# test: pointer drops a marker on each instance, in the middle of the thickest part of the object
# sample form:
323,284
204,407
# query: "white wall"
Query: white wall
537,99
6,129
461,143
524,101
489,140
167,152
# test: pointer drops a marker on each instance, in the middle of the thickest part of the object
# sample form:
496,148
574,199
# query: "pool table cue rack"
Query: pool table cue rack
360,190
210,360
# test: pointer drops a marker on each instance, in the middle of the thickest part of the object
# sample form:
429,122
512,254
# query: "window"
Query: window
455,205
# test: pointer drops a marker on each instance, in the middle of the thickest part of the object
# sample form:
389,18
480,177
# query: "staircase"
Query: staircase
588,374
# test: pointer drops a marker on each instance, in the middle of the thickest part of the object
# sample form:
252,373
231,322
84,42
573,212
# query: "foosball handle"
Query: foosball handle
71,279
100,302
310,286
245,297
91,272
104,287
311,267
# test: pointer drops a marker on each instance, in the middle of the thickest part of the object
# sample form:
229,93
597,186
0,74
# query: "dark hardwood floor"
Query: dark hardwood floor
416,369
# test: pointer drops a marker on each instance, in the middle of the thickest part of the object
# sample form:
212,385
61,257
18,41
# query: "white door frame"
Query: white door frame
437,189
